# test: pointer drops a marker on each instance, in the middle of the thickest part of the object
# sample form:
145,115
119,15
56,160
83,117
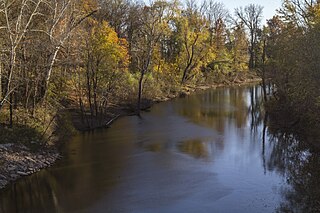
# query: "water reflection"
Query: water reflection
216,107
210,152
75,182
300,165
283,153
196,148
230,111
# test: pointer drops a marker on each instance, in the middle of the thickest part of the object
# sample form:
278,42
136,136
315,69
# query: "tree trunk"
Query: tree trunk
11,69
251,50
95,102
9,78
95,87
0,77
11,111
143,71
140,92
49,72
81,108
187,70
89,95
251,60
34,100
264,72
184,76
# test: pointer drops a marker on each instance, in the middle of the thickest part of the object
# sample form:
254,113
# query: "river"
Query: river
208,152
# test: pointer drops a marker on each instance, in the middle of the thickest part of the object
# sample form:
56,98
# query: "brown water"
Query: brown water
209,152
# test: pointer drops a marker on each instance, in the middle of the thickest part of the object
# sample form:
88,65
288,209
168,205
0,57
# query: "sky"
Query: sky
269,6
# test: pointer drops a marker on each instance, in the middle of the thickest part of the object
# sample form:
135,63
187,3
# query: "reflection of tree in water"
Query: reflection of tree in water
300,166
258,119
196,148
213,107
216,109
75,184
30,199
288,156
255,109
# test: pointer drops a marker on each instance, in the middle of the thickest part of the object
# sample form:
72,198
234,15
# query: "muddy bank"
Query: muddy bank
17,161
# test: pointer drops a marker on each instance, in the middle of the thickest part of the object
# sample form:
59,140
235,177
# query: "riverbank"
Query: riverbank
17,161
304,127
83,122
25,150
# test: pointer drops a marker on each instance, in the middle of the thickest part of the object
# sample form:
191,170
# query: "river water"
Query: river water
208,152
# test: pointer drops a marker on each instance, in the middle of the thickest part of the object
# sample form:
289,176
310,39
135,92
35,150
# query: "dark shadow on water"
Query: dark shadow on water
299,165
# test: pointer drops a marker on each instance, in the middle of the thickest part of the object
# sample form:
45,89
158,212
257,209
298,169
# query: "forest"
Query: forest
92,56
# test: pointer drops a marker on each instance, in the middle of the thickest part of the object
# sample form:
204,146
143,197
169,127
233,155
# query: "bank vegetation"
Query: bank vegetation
65,60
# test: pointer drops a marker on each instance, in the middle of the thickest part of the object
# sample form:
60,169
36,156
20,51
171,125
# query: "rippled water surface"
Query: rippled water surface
209,152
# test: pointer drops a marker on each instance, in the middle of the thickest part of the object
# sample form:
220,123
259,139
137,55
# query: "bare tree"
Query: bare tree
36,30
251,17
216,14
65,18
116,12
15,26
300,12
1,72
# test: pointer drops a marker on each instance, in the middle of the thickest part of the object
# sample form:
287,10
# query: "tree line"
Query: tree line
292,63
92,54
95,53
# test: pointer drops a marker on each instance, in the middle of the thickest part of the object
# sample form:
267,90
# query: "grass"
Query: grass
20,134
29,130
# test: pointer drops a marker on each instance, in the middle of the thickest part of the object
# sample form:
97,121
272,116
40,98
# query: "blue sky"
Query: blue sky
269,6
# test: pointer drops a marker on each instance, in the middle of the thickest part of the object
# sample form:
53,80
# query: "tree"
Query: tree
238,47
18,18
116,12
302,13
197,51
216,15
153,21
32,35
63,22
251,17
293,51
106,61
